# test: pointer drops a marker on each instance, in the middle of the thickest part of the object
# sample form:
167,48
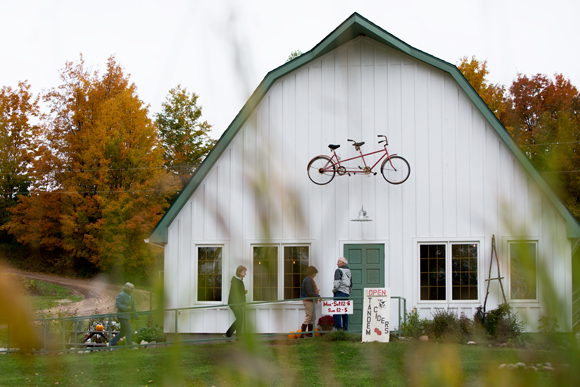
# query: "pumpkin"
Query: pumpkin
291,335
317,330
99,327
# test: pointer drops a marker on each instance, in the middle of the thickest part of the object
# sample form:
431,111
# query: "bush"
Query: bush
448,327
502,324
415,326
499,325
28,285
149,334
340,336
548,324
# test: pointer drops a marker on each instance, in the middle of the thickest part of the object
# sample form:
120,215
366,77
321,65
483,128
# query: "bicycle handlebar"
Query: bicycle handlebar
380,135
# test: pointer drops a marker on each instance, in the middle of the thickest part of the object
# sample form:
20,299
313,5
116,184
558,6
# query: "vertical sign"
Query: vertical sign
376,315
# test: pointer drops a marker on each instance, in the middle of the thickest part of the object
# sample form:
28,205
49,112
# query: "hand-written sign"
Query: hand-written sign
337,307
376,314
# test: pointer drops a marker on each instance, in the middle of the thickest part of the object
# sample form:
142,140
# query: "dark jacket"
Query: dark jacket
308,288
125,303
237,291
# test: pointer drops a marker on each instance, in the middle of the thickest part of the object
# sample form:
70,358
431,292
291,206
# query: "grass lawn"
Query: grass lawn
47,295
306,362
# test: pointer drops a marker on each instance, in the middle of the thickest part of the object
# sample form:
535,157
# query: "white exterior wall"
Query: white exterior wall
465,185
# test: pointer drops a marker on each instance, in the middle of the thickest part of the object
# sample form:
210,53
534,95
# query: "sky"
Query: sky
222,49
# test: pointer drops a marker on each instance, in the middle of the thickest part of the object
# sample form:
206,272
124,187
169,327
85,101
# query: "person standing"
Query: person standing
125,312
237,296
342,287
309,289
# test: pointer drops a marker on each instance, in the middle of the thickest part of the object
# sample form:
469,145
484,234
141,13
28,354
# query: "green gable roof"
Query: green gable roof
352,27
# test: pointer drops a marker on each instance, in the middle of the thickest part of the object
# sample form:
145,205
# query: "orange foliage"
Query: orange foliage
103,186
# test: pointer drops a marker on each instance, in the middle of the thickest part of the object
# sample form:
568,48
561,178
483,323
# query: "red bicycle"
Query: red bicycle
322,169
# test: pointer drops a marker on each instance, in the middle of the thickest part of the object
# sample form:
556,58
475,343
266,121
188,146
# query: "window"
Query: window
464,271
295,265
265,273
278,271
458,259
523,270
209,273
433,272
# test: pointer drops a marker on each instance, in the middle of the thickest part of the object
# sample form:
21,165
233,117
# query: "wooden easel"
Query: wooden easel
499,277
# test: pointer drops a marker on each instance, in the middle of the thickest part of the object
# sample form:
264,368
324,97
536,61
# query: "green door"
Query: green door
367,265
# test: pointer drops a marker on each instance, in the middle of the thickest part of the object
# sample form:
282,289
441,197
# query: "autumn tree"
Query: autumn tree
185,137
476,73
19,113
543,115
103,186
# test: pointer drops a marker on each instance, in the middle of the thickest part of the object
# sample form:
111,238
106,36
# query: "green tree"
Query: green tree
185,137
103,185
476,73
293,55
19,112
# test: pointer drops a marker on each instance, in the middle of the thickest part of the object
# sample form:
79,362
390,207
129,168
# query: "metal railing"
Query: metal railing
70,329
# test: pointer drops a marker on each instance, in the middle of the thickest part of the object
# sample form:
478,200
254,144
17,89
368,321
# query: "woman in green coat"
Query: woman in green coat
237,296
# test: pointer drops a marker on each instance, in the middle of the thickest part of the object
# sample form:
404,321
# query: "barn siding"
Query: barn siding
465,184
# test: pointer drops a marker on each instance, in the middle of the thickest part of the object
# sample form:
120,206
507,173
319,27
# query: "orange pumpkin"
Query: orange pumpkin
291,335
317,330
99,327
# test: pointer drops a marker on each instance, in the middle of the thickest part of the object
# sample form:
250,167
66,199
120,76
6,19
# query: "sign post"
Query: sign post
376,315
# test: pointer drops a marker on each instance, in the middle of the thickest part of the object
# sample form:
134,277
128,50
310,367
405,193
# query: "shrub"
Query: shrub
548,324
28,285
149,334
339,336
415,326
447,326
502,324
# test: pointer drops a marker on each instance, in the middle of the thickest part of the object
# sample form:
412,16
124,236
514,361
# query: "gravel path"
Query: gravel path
98,294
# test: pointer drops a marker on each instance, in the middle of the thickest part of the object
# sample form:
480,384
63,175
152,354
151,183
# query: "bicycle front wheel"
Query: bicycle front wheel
321,170
396,170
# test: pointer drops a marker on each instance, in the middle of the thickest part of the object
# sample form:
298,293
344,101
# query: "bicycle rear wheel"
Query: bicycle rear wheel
395,170
321,170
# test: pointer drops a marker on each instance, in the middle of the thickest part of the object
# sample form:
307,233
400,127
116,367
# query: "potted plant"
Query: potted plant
326,323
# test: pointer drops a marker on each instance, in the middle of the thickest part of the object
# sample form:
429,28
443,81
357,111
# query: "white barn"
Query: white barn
251,202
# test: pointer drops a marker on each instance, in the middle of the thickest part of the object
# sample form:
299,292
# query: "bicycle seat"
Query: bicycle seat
357,144
333,147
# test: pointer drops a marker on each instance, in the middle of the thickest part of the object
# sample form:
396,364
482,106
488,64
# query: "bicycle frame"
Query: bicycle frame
337,161
322,169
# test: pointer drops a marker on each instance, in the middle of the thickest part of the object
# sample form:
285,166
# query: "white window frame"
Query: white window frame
280,246
225,276
513,240
448,268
